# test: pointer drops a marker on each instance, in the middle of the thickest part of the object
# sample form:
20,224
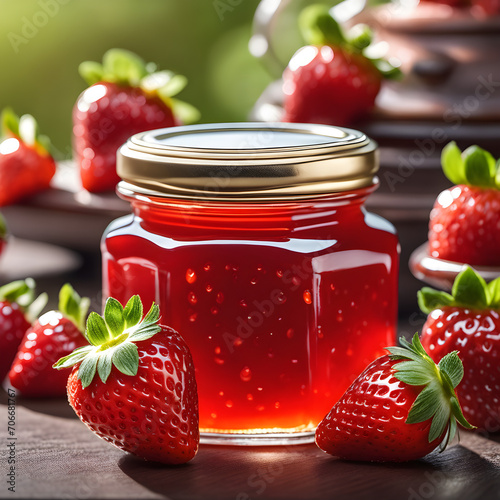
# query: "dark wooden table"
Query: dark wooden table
58,457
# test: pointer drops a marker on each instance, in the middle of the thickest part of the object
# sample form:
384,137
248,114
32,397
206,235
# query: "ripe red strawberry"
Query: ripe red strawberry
26,166
400,408
464,224
332,80
18,308
144,400
54,334
125,97
468,320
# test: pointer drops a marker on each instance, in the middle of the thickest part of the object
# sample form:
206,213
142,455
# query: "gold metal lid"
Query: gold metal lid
247,161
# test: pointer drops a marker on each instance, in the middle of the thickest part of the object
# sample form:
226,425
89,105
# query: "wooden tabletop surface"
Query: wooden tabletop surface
58,457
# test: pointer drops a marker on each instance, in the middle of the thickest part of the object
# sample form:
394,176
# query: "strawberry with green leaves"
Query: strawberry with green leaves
333,79
402,407
125,96
54,334
468,319
464,223
134,385
18,309
26,165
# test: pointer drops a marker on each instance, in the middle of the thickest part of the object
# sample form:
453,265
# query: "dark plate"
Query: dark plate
65,215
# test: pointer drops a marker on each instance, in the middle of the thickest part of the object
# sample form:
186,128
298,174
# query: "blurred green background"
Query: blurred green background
43,41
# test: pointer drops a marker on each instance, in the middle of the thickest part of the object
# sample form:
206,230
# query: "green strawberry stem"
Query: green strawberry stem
474,166
437,400
26,129
72,306
128,69
319,27
112,339
22,292
469,290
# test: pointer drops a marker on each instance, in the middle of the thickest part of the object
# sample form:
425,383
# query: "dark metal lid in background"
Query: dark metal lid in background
247,161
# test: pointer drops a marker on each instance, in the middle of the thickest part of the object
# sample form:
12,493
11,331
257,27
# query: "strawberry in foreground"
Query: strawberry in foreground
400,408
26,165
332,80
18,308
126,96
464,224
469,320
143,398
54,334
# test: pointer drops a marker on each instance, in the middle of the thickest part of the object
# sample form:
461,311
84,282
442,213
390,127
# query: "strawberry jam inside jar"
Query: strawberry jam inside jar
254,241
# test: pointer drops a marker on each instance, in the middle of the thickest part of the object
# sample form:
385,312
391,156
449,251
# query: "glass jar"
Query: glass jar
253,240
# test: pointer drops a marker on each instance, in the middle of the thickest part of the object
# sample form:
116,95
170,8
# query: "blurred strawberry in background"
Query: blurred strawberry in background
26,164
332,80
126,96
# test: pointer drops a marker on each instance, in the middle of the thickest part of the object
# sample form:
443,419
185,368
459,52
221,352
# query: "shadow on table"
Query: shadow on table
304,472
56,407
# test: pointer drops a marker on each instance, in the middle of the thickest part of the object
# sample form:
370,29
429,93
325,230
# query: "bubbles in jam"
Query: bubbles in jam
278,326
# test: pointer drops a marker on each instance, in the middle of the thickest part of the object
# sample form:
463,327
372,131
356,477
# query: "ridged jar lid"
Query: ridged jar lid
247,161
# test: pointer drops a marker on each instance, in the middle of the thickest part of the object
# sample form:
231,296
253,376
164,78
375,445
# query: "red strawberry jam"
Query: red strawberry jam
282,303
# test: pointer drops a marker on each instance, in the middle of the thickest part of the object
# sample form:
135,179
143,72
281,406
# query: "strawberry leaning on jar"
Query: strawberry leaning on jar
126,96
402,407
464,223
468,319
26,165
332,80
18,309
143,398
53,335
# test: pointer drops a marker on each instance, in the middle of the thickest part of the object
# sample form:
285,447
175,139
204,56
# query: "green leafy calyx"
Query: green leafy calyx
128,69
474,166
26,129
73,306
112,338
22,292
469,290
437,399
319,27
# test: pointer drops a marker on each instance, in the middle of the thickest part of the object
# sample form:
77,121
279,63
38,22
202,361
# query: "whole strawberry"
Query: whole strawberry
400,408
125,97
54,334
18,308
26,165
464,224
469,320
144,399
332,80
